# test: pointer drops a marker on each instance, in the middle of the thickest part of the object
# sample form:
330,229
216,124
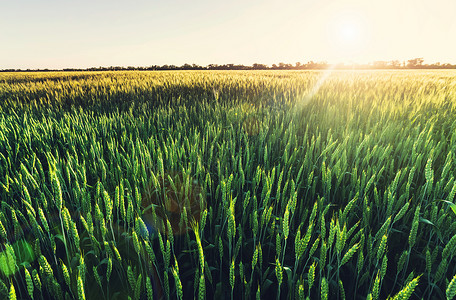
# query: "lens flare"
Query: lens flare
175,197
251,126
323,77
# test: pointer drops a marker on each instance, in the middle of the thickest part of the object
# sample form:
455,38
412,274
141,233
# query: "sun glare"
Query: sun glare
348,37
349,33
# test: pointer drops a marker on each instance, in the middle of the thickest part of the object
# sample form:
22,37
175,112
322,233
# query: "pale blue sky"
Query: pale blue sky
63,34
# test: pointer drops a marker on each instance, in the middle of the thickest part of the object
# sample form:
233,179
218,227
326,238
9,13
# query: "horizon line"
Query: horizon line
416,63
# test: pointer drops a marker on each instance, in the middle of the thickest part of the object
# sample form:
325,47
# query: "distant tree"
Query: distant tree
395,64
415,63
310,64
284,66
259,67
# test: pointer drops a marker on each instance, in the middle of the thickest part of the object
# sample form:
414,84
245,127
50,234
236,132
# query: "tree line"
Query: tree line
416,63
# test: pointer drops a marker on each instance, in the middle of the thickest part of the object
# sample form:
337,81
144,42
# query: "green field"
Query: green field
228,185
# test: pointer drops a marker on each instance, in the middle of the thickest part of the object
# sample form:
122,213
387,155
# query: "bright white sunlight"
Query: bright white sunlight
263,149
349,39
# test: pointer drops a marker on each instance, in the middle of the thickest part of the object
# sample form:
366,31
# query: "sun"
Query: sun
348,36
349,33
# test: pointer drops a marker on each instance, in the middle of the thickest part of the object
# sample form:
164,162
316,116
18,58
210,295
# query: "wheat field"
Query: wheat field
228,185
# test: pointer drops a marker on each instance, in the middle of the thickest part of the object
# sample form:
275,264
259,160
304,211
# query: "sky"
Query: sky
58,34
